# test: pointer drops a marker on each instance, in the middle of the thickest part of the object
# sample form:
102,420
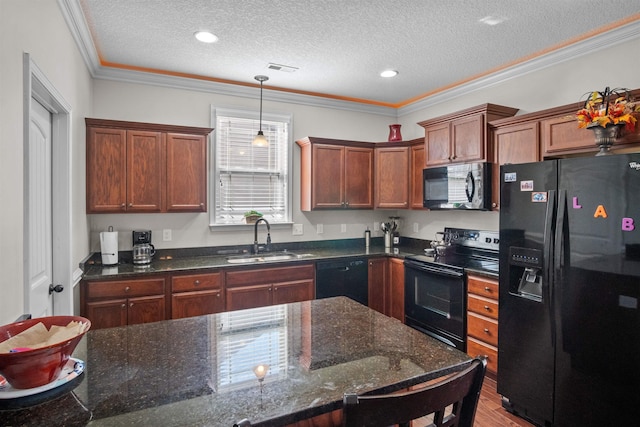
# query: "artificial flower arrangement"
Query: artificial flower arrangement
609,107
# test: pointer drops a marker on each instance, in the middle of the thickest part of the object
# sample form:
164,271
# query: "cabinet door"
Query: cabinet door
197,303
437,140
186,173
145,166
327,178
392,177
296,291
416,179
561,135
358,177
468,138
145,309
378,289
106,170
396,289
107,314
248,297
513,144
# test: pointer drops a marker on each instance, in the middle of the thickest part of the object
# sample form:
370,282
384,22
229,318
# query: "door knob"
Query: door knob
55,288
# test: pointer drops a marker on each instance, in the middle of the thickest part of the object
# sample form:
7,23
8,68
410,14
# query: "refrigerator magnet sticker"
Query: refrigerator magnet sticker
526,185
539,197
510,177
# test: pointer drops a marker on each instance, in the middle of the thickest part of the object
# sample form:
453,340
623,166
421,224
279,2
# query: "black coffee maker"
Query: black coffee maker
143,250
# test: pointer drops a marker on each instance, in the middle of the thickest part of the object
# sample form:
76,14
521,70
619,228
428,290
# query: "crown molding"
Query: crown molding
82,36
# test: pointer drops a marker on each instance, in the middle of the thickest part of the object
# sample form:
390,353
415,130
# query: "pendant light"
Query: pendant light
260,140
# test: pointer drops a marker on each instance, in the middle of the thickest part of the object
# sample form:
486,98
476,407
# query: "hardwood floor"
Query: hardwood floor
490,412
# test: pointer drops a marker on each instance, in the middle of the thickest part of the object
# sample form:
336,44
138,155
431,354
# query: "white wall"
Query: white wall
36,27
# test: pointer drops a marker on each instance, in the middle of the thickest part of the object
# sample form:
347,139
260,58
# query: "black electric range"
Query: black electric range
470,250
435,286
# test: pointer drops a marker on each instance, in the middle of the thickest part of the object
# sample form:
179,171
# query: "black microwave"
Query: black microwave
464,186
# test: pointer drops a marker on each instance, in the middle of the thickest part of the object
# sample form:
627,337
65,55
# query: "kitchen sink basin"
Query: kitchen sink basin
266,257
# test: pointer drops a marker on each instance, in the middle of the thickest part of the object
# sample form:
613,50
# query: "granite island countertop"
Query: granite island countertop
199,371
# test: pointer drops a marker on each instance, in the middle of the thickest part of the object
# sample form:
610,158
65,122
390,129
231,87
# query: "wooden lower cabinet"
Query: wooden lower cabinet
111,303
196,294
482,319
259,287
386,286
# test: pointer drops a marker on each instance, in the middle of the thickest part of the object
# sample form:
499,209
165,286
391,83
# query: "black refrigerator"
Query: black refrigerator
569,329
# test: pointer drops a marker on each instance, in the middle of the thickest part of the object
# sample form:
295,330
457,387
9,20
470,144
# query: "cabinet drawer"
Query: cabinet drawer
484,287
125,288
478,348
484,306
195,282
482,328
269,275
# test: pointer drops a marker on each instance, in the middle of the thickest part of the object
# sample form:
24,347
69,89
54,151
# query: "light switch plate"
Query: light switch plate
319,228
343,228
166,235
376,226
416,227
297,230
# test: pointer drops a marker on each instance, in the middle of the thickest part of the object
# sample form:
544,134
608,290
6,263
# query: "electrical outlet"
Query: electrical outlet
297,230
376,226
166,235
343,228
319,228
416,227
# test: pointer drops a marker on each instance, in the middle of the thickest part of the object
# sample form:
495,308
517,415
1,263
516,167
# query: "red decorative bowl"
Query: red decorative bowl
40,366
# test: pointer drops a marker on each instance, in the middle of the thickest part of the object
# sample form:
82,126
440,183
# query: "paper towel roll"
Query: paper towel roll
109,247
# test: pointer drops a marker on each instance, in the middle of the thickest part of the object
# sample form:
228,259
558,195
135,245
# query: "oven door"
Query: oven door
435,301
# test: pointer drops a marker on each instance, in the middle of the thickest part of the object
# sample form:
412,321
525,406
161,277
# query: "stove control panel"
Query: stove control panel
480,239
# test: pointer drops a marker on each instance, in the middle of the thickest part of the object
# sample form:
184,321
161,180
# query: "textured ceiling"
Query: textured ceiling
339,47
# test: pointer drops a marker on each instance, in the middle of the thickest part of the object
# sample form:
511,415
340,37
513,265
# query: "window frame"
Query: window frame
214,172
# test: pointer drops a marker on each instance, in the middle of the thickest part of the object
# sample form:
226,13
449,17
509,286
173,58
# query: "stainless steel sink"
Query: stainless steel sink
266,257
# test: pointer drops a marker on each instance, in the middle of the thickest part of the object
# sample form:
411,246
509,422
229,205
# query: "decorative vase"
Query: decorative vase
605,137
394,133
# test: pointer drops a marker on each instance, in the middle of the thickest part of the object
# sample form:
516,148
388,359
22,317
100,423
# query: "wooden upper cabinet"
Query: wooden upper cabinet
518,143
335,174
186,173
392,177
417,164
106,170
462,136
142,167
145,171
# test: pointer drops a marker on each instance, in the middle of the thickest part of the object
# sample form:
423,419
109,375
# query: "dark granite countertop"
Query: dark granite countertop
198,371
208,258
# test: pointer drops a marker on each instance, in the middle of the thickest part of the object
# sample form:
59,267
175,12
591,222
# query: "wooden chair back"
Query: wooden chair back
452,401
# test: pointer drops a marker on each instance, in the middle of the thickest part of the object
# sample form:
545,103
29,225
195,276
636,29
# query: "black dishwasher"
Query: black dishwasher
348,278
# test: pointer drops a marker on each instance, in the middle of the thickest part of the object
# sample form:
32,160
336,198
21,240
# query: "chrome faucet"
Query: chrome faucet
256,248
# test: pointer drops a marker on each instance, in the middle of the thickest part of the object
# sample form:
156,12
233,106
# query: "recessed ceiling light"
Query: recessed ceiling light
389,73
492,20
205,36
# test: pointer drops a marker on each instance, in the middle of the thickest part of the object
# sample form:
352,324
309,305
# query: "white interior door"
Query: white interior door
39,265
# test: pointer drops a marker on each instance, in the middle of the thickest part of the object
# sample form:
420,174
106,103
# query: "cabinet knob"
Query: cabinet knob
130,205
122,206
127,289
218,294
486,307
488,289
202,205
123,306
196,282
494,205
486,331
347,204
130,304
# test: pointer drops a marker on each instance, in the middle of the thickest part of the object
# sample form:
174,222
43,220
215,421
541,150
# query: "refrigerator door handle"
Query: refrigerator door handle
548,254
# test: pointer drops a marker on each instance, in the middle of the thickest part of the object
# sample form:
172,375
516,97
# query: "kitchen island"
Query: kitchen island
199,371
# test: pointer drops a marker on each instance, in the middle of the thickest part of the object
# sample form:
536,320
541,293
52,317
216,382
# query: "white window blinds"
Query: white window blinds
249,177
